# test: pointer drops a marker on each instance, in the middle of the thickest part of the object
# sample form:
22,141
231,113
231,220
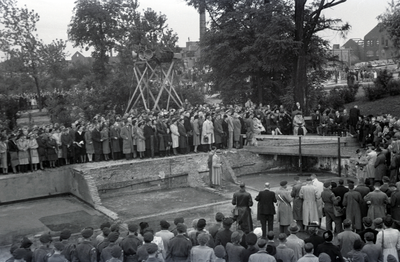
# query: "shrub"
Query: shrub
383,80
394,87
374,92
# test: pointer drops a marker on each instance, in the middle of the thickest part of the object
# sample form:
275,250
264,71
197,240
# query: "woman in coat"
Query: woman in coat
3,154
182,137
114,136
33,152
207,136
42,149
79,144
23,153
56,134
140,140
174,136
51,148
196,132
127,143
105,142
66,145
13,150
389,239
89,143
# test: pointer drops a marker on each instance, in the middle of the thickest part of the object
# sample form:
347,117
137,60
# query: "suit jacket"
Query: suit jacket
266,200
340,191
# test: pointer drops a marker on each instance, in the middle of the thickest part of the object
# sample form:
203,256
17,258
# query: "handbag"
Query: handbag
205,138
235,210
338,211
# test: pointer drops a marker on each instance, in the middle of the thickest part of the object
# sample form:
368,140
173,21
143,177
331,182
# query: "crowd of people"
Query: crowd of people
163,133
366,229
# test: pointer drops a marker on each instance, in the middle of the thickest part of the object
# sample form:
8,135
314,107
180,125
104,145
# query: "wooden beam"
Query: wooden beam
294,151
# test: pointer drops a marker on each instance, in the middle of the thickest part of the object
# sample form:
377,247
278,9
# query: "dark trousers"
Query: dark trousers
264,219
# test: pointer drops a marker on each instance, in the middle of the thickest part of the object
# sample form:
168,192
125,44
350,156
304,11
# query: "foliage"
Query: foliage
246,49
8,112
28,53
110,25
374,92
394,87
383,79
390,21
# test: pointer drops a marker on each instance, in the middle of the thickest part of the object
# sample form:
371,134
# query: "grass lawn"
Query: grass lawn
386,105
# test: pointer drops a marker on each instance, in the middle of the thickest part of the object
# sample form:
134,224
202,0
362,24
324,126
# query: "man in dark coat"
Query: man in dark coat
394,166
330,249
367,222
97,143
364,190
354,114
85,251
380,165
297,203
329,199
183,137
179,246
131,243
223,235
189,129
314,238
266,209
148,132
243,201
161,133
395,203
340,190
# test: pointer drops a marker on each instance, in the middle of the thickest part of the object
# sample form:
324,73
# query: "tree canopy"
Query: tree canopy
390,20
265,49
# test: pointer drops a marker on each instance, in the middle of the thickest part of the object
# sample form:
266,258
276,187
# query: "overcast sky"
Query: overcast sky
55,16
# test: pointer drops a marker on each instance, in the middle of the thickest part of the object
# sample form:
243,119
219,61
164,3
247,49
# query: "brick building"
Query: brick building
377,44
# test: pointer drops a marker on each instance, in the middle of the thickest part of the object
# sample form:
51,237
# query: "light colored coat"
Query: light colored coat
378,201
207,130
127,143
309,194
174,135
284,215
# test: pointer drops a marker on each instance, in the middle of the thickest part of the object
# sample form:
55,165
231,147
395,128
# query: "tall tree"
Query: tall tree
18,38
246,48
309,20
390,20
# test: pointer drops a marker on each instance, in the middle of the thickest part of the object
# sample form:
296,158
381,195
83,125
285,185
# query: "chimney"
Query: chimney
202,11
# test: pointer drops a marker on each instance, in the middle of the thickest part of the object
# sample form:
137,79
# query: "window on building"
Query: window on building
367,43
370,53
377,42
387,42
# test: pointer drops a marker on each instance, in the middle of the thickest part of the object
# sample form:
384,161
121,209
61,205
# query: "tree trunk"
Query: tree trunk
299,79
39,102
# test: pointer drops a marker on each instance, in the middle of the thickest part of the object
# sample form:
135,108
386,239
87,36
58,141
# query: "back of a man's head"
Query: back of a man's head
270,235
341,182
369,236
282,237
309,247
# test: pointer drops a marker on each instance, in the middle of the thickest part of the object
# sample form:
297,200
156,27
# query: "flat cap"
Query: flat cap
283,183
87,232
65,234
151,248
45,238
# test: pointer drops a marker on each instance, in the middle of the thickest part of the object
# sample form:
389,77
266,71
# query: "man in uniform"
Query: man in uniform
179,246
297,202
85,251
285,215
131,243
266,209
243,201
44,251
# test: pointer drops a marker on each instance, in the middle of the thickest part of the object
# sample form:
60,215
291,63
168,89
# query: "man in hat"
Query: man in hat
131,243
314,238
148,237
266,209
127,139
69,247
57,255
363,190
330,200
347,238
233,248
352,201
152,250
395,203
368,223
309,195
380,164
164,233
215,227
394,166
330,249
297,202
85,251
377,201
252,248
284,199
44,251
223,236
243,201
18,255
183,137
106,252
283,252
162,133
371,158
179,246
294,242
148,132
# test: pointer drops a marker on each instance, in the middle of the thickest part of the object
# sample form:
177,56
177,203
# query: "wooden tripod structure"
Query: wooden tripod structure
143,84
